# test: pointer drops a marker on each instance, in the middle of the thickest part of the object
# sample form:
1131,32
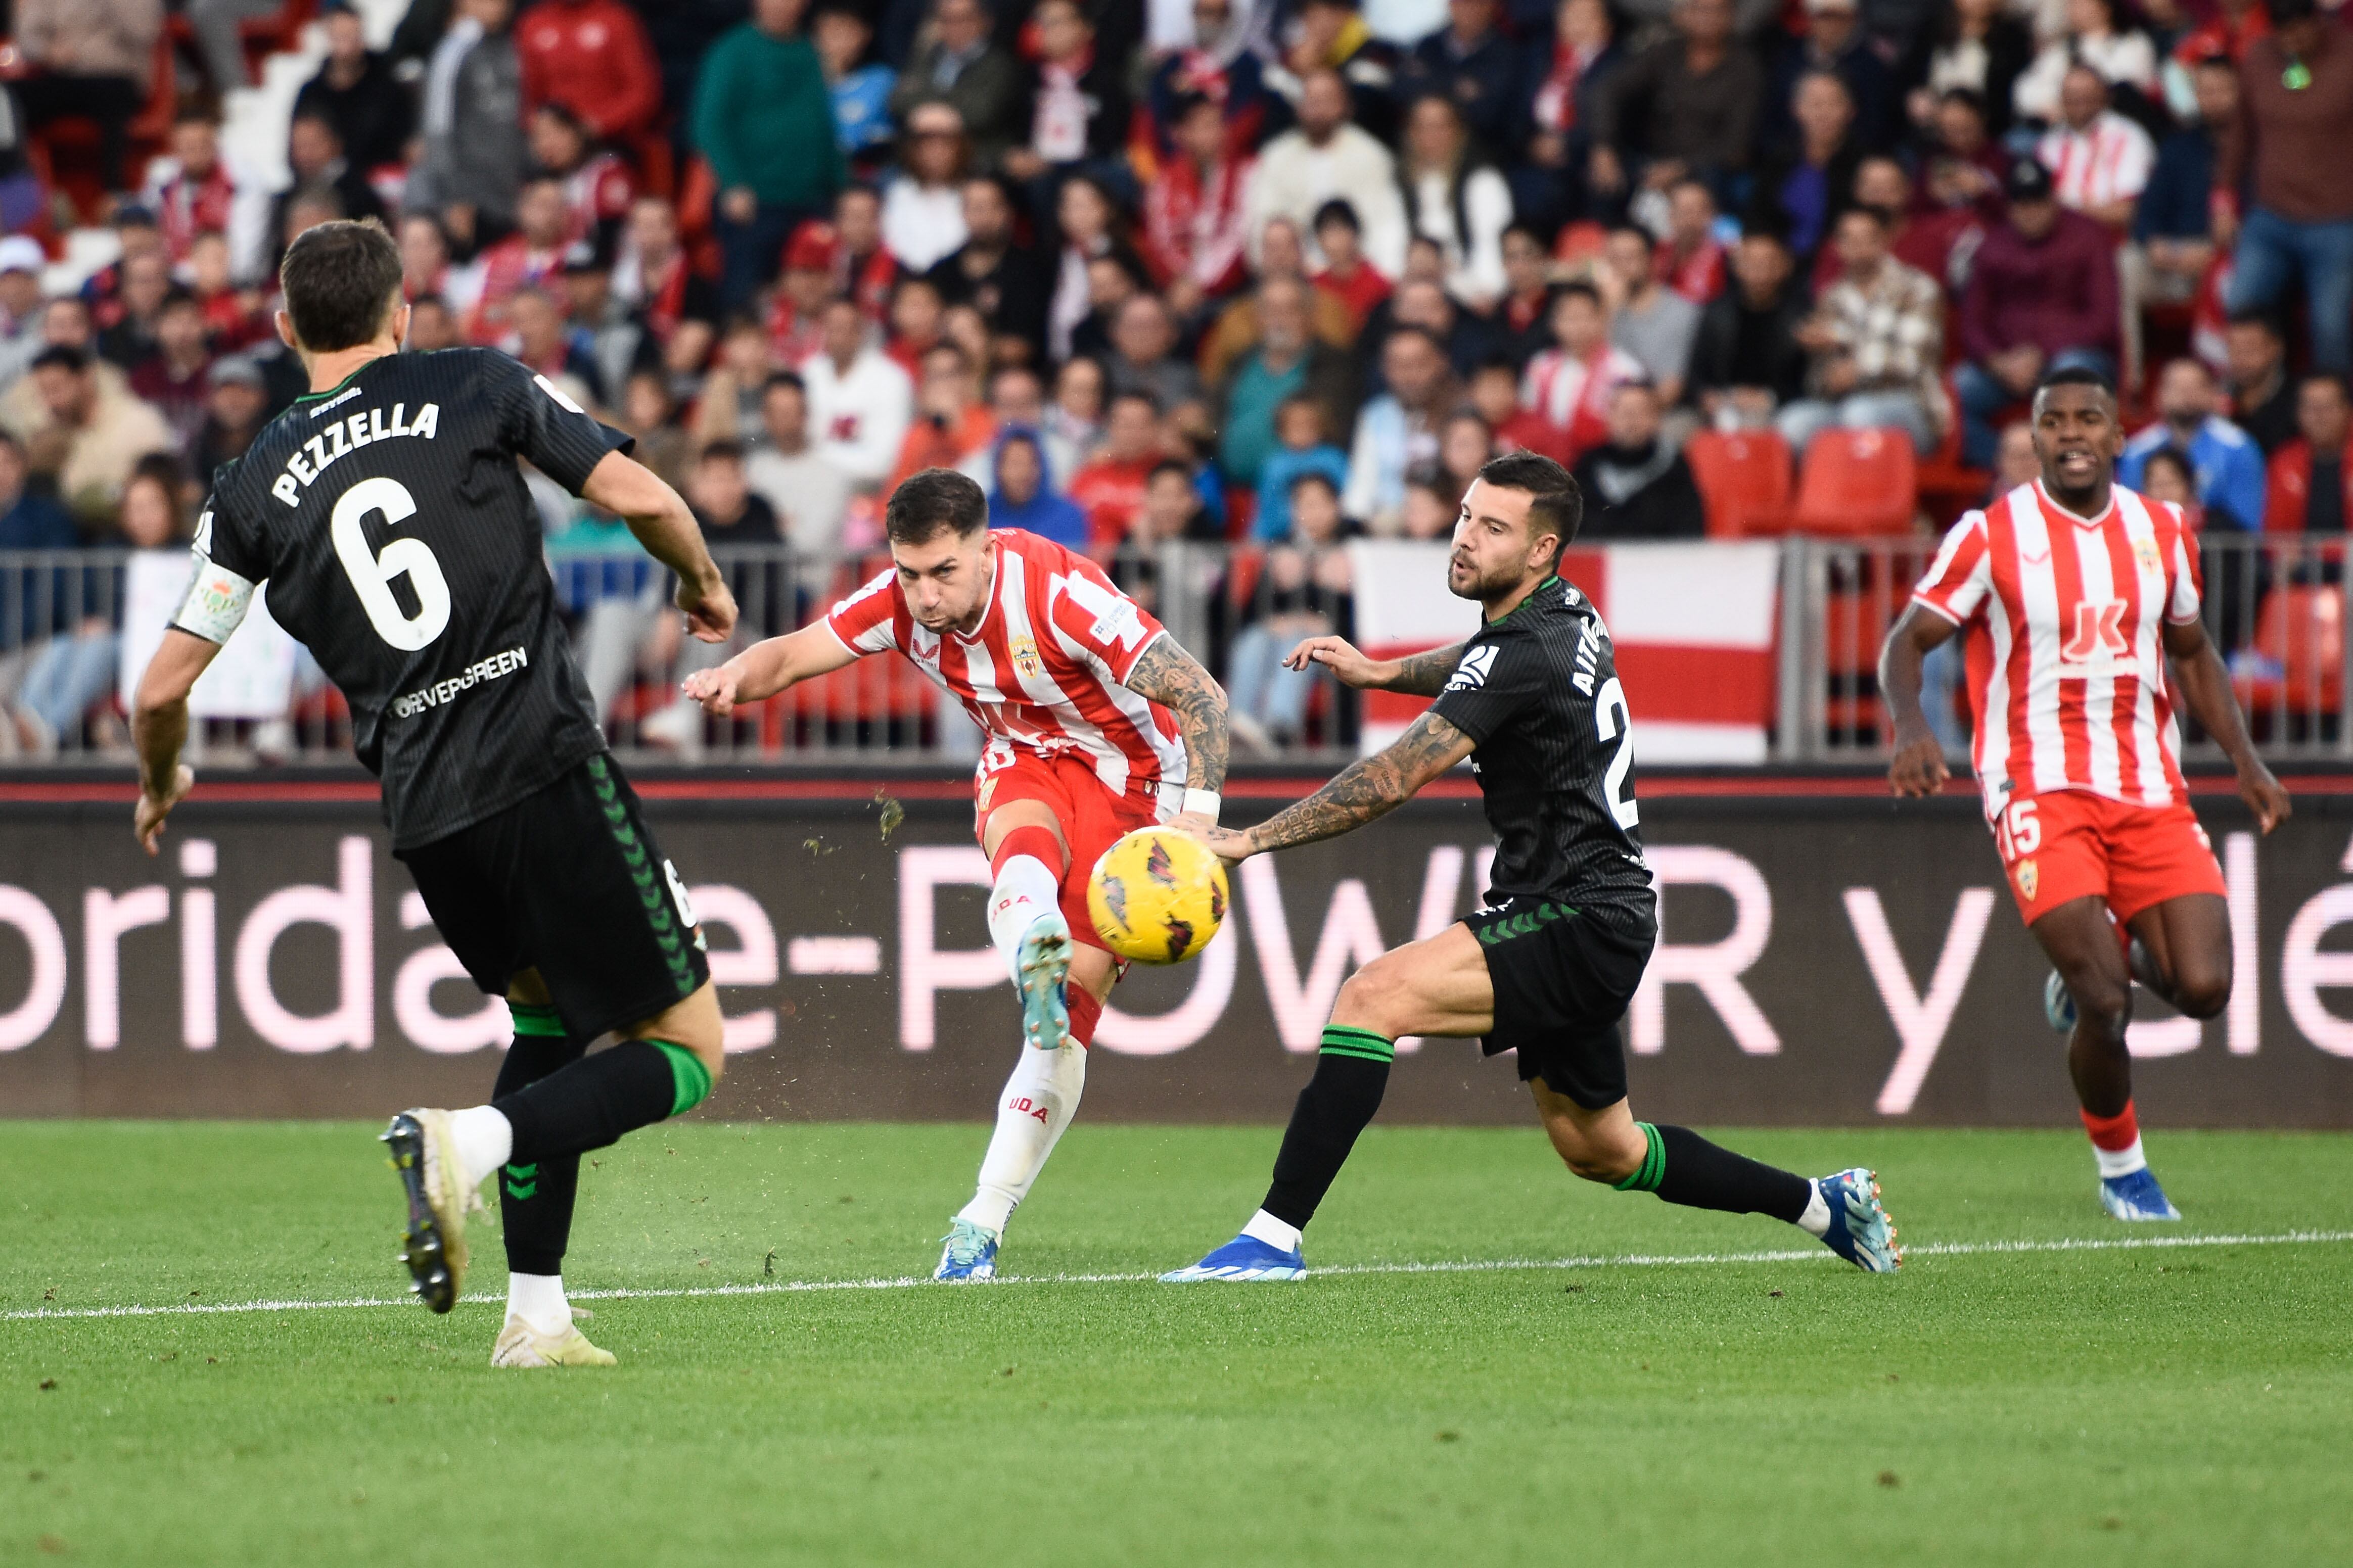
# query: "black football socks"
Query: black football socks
1685,1168
535,1199
596,1099
1351,1071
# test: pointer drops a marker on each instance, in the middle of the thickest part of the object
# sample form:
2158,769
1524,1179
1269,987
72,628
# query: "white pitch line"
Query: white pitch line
1465,1266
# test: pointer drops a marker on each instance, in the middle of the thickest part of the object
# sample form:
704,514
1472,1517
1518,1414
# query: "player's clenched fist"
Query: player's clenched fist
709,608
715,689
1918,768
1338,655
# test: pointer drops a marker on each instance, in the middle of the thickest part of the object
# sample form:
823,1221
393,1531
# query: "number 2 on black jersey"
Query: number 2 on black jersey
1613,722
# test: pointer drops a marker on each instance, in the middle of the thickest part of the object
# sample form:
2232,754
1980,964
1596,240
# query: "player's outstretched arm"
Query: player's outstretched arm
158,724
1169,676
2205,685
1422,675
1919,765
1369,788
659,516
765,668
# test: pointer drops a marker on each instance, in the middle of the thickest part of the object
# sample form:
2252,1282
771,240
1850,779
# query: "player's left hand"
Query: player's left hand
147,818
2264,795
710,609
1227,845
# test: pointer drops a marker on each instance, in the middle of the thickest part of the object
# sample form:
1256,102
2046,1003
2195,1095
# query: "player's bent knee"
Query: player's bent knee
2202,996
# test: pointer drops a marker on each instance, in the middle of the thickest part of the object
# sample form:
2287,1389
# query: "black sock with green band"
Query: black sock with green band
598,1099
535,1200
1351,1071
1685,1168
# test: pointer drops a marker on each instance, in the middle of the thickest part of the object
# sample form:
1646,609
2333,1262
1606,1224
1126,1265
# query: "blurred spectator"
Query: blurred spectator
1301,592
1808,181
958,64
92,60
860,87
860,403
1964,167
1834,40
432,325
1326,157
1465,442
764,118
597,186
1570,384
1086,215
1558,95
2311,481
1076,414
173,376
656,278
2099,161
91,431
1022,495
1686,105
472,117
2041,297
1109,488
1875,343
1521,320
1305,448
1495,393
192,190
1655,325
2287,150
1454,198
355,91
1194,233
1430,508
808,493
1078,100
2117,57
425,258
648,414
1424,302
22,262
314,155
1397,428
2015,462
236,406
951,423
1472,66
1636,486
1748,361
1173,509
1214,62
539,336
1690,258
611,336
1002,279
1142,357
128,335
729,509
2173,222
2165,477
2227,463
1976,47
74,670
923,206
592,57
23,196
1288,362
1016,396
2263,399
1345,276
863,267
917,321
29,520
528,257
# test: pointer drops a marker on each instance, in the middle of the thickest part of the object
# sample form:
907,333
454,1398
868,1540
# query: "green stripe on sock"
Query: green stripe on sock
1340,1040
690,1078
534,1018
1647,1175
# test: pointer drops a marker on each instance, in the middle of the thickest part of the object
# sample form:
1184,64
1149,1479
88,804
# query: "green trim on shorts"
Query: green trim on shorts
690,1079
653,892
1647,1175
537,1019
1340,1040
1526,923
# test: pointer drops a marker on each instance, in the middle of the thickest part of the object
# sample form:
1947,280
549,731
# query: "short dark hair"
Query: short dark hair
1339,210
722,452
933,502
340,279
1554,501
2257,316
1170,466
1317,476
2077,375
1577,288
783,379
2325,378
63,355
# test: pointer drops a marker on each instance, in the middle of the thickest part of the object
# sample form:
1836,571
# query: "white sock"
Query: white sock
1038,1102
484,1137
1816,1220
1265,1228
2115,1162
1026,889
538,1299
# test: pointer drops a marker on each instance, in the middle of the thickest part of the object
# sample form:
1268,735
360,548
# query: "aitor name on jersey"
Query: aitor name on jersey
345,436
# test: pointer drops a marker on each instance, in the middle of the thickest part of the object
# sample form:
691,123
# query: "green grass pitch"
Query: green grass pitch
1992,1404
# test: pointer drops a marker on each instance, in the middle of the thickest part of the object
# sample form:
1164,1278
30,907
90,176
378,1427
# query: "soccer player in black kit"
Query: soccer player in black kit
1547,967
388,515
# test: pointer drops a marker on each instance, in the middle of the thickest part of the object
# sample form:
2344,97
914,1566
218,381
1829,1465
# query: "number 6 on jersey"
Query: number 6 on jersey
371,576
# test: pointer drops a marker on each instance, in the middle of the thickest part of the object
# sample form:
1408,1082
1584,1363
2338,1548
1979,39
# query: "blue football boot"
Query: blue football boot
2137,1197
969,1253
1859,1230
1243,1258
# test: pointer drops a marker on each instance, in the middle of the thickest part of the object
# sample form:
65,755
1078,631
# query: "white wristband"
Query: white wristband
1203,803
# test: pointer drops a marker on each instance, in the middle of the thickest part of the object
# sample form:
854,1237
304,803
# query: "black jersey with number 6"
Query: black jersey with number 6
1537,693
400,546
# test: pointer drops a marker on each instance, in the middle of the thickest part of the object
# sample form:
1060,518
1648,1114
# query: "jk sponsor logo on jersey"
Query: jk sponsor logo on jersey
345,436
505,662
1473,672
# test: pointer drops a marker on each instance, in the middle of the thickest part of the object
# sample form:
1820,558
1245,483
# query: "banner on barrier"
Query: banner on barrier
1820,962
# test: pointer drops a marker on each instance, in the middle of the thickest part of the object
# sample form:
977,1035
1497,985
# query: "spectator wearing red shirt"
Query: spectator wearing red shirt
533,253
1347,276
951,423
1523,320
1689,259
597,186
1195,232
1495,394
1110,490
198,195
655,277
591,56
811,256
2311,488
864,269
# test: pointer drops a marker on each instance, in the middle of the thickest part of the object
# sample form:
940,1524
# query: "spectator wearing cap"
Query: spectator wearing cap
1875,343
1471,65
958,64
2099,161
22,261
1078,102
860,402
1399,428
356,91
1558,91
807,492
996,273
592,57
1327,157
923,206
1834,40
2262,396
529,256
472,119
796,309
1686,105
2042,296
764,118
2172,242
92,60
1635,483
2287,148
2311,478
89,433
2224,460
1747,362
1195,227
598,184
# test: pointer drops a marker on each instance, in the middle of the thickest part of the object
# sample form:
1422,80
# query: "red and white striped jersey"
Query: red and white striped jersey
1048,669
2066,660
2107,162
1573,395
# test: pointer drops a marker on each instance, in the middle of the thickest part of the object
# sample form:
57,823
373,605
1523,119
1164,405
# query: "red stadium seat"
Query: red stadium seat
2301,629
1858,483
1744,477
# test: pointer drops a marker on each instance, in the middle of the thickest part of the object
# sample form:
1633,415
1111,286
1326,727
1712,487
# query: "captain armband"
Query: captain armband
216,602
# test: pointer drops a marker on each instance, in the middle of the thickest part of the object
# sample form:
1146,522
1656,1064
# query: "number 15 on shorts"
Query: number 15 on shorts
2017,831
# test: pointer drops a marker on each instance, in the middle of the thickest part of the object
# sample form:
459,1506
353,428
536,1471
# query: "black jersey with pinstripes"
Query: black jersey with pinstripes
390,519
1537,693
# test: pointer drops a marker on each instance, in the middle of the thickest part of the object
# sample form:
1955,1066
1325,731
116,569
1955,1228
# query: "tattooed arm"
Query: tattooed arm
1369,788
1169,676
1422,675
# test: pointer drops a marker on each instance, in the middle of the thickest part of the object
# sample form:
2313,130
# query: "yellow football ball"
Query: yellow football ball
1158,896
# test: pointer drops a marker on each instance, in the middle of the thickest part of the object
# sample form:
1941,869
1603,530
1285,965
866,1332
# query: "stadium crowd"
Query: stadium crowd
1274,273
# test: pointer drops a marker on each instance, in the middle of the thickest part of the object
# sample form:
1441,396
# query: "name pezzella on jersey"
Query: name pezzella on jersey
346,435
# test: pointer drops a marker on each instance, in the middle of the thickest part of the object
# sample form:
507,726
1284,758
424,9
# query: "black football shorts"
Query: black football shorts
1562,983
568,882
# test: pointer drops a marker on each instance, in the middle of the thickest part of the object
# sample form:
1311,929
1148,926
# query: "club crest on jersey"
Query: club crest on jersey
1027,662
2028,879
2145,552
1473,672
